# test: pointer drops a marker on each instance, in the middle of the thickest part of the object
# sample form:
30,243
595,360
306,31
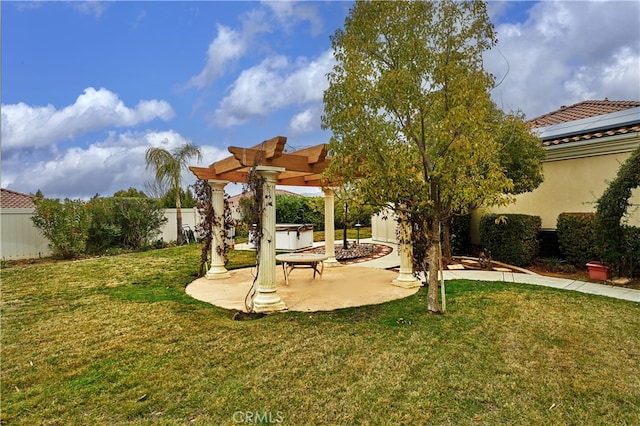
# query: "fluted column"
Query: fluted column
405,278
267,298
217,270
329,228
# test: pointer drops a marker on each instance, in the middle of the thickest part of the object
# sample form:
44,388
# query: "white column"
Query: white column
405,278
218,270
329,228
267,298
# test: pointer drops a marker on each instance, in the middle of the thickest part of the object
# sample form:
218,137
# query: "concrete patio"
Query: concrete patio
365,283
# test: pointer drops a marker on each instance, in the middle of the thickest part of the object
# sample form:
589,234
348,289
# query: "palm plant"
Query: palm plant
168,172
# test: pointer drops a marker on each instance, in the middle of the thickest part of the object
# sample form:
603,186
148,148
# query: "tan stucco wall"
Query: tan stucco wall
575,176
572,185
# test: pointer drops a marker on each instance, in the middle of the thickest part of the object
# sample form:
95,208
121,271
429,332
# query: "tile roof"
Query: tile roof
15,200
584,109
593,135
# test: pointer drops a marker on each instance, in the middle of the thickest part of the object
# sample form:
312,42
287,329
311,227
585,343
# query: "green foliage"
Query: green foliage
511,238
122,222
576,238
65,225
130,193
105,231
631,236
357,212
187,200
300,209
409,108
291,209
521,154
610,212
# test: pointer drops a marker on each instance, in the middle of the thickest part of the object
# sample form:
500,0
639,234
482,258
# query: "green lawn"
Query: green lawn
115,340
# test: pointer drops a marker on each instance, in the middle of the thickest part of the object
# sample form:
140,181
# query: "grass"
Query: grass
115,340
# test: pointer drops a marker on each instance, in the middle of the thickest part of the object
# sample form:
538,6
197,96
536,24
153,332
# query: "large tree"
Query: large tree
412,121
168,168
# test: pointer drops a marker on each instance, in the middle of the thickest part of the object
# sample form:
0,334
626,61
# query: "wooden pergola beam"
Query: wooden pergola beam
294,162
302,167
314,154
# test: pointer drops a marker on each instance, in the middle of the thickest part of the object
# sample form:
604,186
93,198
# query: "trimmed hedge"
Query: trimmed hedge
461,235
576,238
511,238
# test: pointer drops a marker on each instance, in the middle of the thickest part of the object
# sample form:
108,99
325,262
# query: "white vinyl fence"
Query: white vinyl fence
20,239
190,217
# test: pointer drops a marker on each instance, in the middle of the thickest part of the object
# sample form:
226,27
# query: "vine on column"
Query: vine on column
209,221
253,189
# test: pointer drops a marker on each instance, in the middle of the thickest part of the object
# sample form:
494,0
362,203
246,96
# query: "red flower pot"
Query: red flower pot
598,271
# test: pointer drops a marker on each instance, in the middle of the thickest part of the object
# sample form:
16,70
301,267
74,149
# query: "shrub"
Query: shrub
299,209
461,235
576,237
121,222
65,225
511,238
291,209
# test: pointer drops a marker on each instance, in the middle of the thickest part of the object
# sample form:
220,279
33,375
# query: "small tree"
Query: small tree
412,120
65,225
168,169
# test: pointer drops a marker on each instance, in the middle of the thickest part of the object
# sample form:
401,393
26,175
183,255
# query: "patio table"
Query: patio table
291,261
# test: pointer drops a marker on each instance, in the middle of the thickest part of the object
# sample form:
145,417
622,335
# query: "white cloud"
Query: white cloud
225,49
230,45
566,52
274,84
305,122
26,126
104,167
290,13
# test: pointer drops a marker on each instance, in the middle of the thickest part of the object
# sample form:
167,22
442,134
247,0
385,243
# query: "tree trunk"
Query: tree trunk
432,294
180,238
433,304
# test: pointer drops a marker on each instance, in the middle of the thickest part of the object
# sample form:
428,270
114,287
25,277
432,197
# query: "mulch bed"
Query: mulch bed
355,252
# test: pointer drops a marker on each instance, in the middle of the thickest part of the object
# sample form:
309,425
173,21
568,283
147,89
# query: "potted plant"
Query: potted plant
598,271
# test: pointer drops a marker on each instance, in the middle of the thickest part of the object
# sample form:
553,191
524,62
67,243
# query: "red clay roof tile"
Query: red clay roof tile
15,200
584,109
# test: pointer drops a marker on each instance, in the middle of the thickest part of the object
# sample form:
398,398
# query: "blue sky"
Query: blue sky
87,87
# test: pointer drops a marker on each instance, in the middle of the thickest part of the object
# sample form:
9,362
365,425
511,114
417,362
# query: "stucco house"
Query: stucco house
586,143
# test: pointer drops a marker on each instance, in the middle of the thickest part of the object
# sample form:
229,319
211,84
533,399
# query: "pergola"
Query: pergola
299,168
